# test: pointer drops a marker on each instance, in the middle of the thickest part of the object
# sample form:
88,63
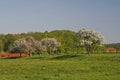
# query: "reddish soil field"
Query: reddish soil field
13,55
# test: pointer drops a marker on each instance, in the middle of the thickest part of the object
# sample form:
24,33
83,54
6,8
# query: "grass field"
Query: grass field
62,67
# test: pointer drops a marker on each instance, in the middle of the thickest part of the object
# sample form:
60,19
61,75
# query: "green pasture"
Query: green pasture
61,67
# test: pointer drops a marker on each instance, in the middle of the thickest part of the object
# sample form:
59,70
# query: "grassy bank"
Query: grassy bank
61,67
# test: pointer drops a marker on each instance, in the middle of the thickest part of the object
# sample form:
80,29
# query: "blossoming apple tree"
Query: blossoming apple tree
51,44
90,38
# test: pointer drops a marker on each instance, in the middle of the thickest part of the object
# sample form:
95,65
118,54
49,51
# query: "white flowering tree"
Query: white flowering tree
51,44
27,45
39,47
20,46
90,38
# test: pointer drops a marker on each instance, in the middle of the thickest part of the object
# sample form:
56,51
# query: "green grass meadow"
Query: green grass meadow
61,67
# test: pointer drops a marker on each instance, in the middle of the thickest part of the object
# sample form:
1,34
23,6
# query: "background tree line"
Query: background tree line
68,39
113,45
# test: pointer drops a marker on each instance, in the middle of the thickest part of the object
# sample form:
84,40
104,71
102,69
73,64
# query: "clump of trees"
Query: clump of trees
23,45
30,45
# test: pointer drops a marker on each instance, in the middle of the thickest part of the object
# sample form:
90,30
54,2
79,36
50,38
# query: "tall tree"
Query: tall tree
90,38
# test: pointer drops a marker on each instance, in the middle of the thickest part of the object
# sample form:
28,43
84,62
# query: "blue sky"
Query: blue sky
17,16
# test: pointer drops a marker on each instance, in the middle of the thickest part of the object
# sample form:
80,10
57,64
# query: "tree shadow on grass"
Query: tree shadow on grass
11,57
37,57
63,57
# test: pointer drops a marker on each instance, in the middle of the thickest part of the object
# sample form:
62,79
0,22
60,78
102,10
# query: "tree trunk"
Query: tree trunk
20,54
50,51
88,49
30,54
77,50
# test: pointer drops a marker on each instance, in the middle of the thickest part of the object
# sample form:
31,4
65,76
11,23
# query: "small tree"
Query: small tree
51,44
30,41
39,47
20,46
90,38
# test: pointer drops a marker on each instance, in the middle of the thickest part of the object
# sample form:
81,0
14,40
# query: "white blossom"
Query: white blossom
90,36
27,45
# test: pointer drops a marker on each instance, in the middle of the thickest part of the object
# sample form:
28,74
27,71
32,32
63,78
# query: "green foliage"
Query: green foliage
9,40
61,67
1,46
2,41
67,39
